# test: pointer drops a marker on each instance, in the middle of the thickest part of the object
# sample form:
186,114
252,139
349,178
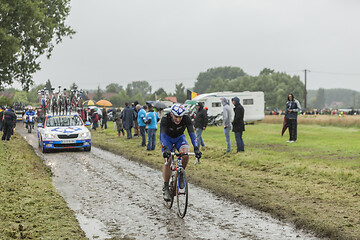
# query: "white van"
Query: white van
253,103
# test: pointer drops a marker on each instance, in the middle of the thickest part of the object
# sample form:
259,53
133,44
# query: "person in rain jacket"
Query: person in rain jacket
293,107
118,121
9,120
141,119
94,119
152,119
201,121
227,122
128,118
238,124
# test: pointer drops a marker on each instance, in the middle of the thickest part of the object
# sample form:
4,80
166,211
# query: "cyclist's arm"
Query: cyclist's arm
191,132
163,126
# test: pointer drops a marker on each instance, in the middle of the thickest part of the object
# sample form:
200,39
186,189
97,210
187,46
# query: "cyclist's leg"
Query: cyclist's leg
183,147
166,168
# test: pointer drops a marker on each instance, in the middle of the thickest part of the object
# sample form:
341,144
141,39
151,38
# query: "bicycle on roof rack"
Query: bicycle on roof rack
178,184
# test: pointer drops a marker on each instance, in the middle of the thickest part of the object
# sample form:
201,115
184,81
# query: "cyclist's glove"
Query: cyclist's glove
166,153
197,153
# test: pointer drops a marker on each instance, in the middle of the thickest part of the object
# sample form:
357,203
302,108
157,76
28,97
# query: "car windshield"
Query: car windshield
63,121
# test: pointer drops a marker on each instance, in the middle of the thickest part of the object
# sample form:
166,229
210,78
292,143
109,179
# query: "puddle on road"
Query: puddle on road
113,197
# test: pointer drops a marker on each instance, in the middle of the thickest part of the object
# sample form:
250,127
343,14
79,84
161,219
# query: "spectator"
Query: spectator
238,124
118,120
2,110
136,124
292,109
201,120
141,119
94,118
104,118
152,119
9,119
128,117
227,122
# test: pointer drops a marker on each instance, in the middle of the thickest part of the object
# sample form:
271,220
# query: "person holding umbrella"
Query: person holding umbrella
292,109
238,124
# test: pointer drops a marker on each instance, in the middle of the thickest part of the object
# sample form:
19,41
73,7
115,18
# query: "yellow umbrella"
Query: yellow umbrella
88,103
104,103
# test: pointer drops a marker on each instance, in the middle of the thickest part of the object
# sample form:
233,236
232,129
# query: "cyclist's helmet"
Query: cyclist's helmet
178,110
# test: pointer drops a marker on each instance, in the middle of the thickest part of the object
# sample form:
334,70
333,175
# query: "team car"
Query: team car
63,132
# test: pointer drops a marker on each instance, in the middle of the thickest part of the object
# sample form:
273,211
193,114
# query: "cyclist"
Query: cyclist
28,113
172,127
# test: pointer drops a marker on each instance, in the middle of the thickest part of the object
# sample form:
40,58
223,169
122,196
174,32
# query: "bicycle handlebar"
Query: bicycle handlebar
183,154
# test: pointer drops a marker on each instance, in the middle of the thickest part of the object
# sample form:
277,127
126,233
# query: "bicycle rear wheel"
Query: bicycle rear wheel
182,194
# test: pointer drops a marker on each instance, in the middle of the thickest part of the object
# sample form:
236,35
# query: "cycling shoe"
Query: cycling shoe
167,194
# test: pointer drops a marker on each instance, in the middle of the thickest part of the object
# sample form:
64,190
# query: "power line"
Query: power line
336,73
329,73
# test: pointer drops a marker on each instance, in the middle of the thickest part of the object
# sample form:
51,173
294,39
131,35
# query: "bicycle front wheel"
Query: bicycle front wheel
182,193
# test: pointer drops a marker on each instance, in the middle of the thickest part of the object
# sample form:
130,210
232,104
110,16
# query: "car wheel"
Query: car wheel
87,149
44,150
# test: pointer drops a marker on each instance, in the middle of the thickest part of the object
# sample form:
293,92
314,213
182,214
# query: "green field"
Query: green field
30,208
314,183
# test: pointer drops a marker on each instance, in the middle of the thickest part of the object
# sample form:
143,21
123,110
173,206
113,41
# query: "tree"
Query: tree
160,91
266,71
320,99
204,79
28,30
98,94
74,86
48,85
33,95
119,99
5,101
275,85
136,87
20,96
180,92
114,88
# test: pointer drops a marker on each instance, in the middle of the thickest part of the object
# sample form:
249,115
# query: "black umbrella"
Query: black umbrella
159,105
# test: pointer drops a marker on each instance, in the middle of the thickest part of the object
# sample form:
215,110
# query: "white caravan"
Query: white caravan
253,103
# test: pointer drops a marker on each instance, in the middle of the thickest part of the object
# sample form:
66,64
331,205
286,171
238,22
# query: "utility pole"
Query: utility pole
305,92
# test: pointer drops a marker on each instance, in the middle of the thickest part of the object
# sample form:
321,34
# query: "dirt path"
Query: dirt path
113,197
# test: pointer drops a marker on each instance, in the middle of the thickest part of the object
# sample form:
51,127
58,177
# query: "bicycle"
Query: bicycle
174,183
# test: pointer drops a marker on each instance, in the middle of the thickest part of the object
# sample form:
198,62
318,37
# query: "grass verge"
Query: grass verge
314,183
30,208
323,120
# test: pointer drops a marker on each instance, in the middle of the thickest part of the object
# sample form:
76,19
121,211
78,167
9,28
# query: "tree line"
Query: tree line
334,98
140,91
275,85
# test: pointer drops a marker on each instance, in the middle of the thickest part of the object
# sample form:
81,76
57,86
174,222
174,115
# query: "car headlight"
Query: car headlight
49,136
85,134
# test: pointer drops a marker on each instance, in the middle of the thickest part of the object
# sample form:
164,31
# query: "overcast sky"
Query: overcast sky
166,42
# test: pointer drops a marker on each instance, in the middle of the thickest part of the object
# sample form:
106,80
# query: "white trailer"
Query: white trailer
253,103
